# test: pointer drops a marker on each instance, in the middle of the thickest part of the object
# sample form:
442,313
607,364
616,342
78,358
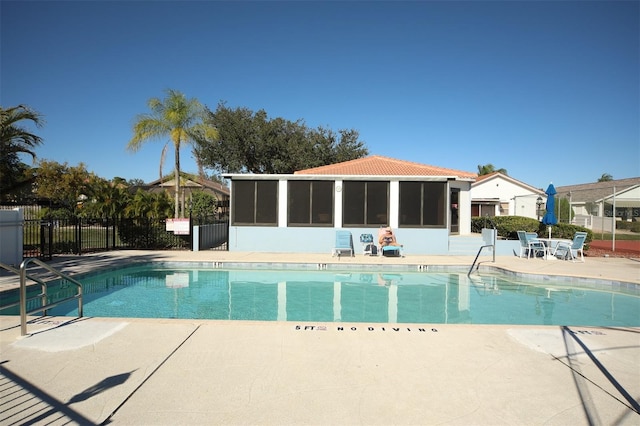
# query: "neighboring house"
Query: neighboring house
592,204
300,212
625,202
497,194
189,183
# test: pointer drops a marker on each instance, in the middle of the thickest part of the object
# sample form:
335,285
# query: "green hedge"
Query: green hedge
631,226
508,227
149,234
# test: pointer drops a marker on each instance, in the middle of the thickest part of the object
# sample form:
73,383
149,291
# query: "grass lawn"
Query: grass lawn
622,235
92,236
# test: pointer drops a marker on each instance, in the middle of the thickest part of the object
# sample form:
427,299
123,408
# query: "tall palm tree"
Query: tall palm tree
13,136
16,139
174,116
488,169
140,205
109,198
606,177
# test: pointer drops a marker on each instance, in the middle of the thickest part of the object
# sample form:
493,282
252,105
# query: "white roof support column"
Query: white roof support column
337,214
464,214
394,204
282,203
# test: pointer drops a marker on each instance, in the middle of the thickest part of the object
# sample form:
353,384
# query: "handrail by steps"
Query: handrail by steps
489,236
478,255
46,305
43,287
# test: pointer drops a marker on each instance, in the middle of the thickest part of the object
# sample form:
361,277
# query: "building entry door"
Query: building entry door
454,218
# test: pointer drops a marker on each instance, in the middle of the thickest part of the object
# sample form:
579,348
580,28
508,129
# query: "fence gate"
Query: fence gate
46,239
214,236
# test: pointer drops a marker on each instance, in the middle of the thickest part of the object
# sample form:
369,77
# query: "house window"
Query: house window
483,210
255,202
422,204
365,203
310,203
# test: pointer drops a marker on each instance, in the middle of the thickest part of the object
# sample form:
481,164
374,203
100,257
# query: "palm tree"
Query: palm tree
160,207
16,139
109,198
174,116
606,177
140,205
149,205
488,169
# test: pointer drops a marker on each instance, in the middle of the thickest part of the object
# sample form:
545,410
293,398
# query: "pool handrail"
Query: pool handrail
45,305
489,236
16,271
478,255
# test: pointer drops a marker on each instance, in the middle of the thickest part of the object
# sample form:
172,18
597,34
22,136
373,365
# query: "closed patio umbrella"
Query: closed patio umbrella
549,217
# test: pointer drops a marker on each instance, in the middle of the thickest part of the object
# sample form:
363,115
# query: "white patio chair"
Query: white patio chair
530,244
571,250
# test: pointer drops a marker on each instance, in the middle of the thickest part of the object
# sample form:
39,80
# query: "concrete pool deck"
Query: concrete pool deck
148,372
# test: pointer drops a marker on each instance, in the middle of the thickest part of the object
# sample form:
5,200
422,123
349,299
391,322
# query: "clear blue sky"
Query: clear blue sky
548,90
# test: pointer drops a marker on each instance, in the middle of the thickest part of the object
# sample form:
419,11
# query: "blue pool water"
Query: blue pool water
152,291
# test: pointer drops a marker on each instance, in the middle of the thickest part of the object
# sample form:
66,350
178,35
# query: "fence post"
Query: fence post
113,233
190,230
78,235
105,223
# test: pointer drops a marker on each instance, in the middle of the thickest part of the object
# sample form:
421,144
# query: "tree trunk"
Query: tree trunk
176,177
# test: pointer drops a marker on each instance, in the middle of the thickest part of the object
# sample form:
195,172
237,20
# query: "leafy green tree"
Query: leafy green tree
139,204
250,142
563,210
175,117
202,204
487,169
63,185
133,182
149,205
606,177
15,139
107,199
160,205
329,147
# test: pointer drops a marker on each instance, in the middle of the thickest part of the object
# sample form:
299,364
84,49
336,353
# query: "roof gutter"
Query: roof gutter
250,176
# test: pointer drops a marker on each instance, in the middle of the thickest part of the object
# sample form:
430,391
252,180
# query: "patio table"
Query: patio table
551,244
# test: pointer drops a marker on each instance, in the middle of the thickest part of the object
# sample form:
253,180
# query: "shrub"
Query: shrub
149,234
65,247
507,226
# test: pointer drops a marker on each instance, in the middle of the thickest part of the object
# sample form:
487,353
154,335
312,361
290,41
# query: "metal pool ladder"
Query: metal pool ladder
45,303
489,237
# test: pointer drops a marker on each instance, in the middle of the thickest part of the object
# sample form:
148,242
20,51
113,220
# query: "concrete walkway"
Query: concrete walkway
154,372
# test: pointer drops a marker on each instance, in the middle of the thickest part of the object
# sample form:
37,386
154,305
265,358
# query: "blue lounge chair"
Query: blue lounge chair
571,250
391,251
344,243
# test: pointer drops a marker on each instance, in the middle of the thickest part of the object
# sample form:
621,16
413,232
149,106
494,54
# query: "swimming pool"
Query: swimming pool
167,290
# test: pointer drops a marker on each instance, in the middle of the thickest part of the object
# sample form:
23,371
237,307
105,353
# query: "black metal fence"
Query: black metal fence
45,238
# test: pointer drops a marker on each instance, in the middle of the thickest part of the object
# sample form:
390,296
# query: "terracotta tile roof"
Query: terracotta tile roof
377,165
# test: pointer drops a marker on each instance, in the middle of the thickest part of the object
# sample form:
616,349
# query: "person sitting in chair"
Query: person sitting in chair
388,238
